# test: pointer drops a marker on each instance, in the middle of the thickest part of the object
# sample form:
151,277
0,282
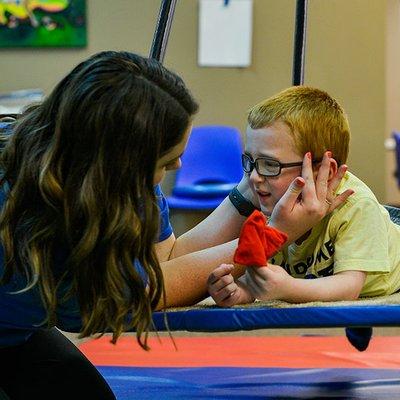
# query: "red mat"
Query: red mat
246,351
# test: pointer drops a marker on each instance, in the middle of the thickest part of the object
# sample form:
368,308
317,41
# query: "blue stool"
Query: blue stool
211,167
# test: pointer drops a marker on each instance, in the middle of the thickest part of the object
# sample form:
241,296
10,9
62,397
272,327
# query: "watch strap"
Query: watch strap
245,207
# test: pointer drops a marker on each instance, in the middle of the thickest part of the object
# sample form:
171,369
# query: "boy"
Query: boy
353,252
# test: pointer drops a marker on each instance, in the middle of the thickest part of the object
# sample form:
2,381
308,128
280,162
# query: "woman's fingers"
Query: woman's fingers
305,203
248,191
332,199
290,197
308,176
335,181
321,186
340,199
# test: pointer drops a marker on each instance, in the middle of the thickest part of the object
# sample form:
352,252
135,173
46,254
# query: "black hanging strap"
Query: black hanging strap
299,42
163,28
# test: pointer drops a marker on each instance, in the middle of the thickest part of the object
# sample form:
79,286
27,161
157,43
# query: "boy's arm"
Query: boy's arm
274,283
345,285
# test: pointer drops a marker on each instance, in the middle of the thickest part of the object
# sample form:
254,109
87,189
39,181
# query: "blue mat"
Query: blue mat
252,383
250,318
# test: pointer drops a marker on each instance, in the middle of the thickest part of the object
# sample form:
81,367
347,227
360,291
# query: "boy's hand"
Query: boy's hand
225,291
294,214
268,283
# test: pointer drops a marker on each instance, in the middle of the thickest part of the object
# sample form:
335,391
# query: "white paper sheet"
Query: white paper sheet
225,33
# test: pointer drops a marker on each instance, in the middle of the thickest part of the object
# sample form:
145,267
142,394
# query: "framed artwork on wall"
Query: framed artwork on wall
42,23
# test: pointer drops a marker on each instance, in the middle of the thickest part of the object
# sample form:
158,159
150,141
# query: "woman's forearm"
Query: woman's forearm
221,226
185,277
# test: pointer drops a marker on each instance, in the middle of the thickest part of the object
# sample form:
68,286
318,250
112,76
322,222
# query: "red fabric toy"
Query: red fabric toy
257,241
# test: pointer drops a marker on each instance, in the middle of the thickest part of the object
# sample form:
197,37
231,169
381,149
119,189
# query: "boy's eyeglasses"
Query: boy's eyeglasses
267,166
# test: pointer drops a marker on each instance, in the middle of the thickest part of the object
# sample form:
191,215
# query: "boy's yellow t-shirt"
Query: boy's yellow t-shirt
358,236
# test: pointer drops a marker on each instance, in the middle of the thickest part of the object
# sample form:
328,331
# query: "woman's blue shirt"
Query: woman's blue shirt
23,313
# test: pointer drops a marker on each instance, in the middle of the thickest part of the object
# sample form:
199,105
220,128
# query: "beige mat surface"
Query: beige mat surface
393,299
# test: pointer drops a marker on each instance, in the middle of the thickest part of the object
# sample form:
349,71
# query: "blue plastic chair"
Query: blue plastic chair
396,137
211,167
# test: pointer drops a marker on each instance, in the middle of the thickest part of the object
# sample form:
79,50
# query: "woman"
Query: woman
81,202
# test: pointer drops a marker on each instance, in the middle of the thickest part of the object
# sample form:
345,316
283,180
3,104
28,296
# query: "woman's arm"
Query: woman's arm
221,226
185,277
274,283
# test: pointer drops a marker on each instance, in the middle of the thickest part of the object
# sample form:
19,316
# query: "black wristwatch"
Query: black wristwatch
244,206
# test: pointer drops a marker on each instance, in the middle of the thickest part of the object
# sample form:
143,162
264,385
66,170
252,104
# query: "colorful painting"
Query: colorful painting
42,23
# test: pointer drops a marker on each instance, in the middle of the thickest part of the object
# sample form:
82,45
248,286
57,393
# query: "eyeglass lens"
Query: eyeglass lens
263,166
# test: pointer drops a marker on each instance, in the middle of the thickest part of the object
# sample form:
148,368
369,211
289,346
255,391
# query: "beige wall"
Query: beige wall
345,55
392,93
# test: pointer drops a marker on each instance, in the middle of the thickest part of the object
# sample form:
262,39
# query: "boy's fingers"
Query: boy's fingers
251,285
229,301
222,282
259,275
218,272
224,296
227,291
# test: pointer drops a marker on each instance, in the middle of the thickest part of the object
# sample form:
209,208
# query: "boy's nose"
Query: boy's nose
255,177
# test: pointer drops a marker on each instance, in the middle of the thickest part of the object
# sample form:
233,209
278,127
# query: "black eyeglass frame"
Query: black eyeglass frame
254,164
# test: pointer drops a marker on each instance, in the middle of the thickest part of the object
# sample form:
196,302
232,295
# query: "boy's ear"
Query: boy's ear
333,168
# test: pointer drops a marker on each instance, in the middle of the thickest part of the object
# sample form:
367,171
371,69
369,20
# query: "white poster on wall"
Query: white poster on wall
225,33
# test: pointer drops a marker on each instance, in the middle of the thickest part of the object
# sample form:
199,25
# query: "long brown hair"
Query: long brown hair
80,170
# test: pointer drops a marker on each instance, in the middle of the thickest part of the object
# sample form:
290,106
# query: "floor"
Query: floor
284,364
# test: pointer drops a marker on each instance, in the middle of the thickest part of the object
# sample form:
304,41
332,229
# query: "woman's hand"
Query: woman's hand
294,214
268,283
246,189
225,291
